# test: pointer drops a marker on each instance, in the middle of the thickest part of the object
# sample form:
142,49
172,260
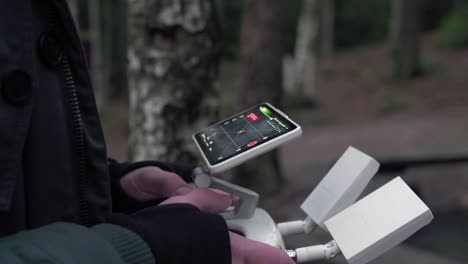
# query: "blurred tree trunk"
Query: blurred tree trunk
263,44
326,28
306,51
118,78
406,27
97,67
108,44
173,61
107,51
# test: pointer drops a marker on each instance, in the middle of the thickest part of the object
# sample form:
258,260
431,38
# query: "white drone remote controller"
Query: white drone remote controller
360,231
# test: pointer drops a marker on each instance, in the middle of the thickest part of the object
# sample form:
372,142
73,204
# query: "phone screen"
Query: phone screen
242,132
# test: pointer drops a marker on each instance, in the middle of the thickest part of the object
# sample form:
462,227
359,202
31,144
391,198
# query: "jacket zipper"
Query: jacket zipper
77,124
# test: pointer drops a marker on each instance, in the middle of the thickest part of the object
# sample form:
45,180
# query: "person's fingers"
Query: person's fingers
246,251
207,200
149,183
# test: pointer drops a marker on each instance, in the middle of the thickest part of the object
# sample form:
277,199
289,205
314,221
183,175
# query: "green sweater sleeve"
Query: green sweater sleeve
71,243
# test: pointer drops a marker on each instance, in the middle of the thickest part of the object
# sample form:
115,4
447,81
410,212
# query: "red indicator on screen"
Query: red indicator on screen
251,144
252,117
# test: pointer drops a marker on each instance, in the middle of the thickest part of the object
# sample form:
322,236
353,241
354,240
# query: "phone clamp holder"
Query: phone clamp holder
248,199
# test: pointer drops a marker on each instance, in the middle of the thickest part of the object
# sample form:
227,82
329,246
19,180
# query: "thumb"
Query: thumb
207,200
246,251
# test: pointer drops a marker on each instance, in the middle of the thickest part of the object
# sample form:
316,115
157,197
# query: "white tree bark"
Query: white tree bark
306,51
172,68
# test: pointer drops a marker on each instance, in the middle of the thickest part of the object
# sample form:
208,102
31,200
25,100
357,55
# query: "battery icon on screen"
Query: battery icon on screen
266,111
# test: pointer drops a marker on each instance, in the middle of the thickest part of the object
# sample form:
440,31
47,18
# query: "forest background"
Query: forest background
389,77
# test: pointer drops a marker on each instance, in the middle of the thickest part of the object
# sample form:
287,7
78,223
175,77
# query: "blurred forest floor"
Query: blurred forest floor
359,104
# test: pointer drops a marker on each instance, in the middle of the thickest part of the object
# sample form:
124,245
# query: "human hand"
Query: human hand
243,250
152,183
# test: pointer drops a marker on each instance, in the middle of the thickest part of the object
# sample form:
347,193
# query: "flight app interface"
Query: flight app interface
242,132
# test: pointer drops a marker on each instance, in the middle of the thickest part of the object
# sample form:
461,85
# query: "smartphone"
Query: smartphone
244,136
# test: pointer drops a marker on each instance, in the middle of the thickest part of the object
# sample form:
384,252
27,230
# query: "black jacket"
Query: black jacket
53,161
53,164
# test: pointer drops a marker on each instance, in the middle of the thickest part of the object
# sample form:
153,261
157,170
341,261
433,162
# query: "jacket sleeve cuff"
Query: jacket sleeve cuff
123,203
180,233
72,243
130,246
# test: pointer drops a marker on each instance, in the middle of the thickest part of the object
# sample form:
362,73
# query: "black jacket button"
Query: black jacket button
50,49
16,87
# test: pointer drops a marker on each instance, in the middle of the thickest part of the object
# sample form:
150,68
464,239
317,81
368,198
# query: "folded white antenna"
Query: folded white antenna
378,222
361,231
340,188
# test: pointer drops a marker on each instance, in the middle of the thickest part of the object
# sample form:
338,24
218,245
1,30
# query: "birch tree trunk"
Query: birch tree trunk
173,60
406,27
263,45
306,51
